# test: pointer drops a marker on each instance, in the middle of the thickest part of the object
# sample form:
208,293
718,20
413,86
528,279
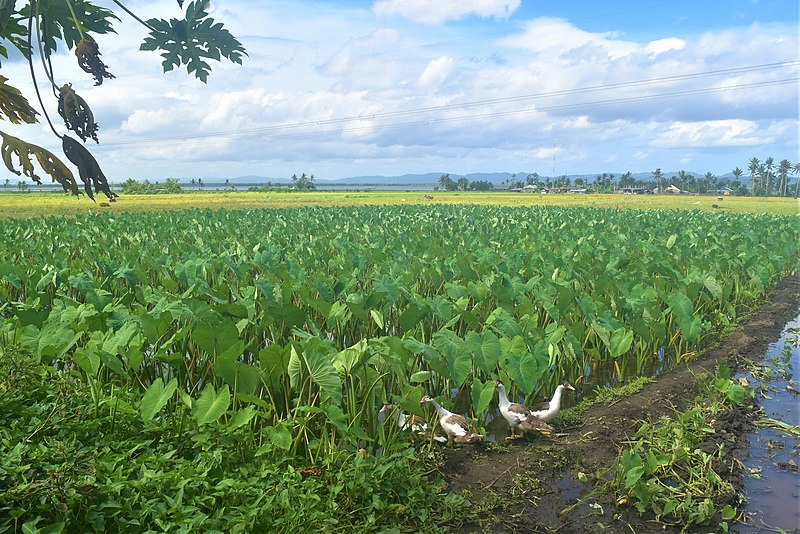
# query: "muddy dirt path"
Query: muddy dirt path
532,486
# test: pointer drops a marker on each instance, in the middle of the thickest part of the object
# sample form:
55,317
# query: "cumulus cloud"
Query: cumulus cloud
439,11
435,73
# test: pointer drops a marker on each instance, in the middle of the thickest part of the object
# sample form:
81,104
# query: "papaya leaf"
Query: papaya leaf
192,40
76,113
50,164
156,397
57,22
14,106
88,54
88,168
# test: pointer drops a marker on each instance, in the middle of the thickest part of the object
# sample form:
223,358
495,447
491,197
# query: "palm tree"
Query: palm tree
658,177
769,166
797,186
784,168
753,167
193,182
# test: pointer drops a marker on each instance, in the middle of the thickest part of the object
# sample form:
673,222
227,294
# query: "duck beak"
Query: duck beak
569,386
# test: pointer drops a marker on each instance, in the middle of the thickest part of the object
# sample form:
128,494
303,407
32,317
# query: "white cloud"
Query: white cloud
661,46
439,11
557,38
721,133
435,73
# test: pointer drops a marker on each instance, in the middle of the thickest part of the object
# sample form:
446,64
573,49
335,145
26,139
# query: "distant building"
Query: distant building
672,189
579,191
636,191
724,191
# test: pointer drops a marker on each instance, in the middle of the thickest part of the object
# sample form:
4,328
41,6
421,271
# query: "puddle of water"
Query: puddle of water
773,492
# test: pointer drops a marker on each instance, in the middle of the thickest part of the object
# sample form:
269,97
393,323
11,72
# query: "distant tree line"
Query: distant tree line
135,187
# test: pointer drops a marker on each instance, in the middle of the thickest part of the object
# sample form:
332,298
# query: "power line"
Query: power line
247,133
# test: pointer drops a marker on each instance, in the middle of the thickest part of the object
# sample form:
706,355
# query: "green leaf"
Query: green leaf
378,318
620,342
712,286
671,241
280,436
156,397
682,309
211,404
324,374
728,512
191,41
241,417
274,362
481,395
420,376
485,349
345,360
87,360
411,316
459,361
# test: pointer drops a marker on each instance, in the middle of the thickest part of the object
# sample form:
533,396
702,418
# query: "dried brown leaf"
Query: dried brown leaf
76,113
88,55
88,169
14,106
50,164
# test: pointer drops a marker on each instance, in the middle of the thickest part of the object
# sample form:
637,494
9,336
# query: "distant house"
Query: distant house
724,191
579,191
636,191
529,189
672,189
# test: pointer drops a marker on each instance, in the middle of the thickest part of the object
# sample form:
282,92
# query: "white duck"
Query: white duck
518,416
547,411
406,422
454,425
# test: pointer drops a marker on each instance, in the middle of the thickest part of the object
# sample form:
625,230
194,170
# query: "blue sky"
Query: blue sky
340,89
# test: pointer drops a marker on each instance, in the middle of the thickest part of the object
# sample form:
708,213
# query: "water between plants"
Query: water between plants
772,486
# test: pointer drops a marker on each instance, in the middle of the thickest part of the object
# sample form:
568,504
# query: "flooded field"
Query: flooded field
773,486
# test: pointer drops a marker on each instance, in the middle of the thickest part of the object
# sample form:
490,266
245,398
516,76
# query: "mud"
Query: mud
538,485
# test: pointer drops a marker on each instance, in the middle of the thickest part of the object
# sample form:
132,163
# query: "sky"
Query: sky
392,87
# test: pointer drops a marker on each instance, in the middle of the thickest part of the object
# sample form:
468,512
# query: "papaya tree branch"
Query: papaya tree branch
132,14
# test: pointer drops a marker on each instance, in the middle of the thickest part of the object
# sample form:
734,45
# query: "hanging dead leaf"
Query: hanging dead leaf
76,113
47,160
89,60
14,106
88,169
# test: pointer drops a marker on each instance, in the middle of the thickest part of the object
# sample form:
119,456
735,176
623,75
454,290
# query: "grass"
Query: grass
47,204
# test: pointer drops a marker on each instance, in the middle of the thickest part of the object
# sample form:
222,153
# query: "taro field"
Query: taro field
215,370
